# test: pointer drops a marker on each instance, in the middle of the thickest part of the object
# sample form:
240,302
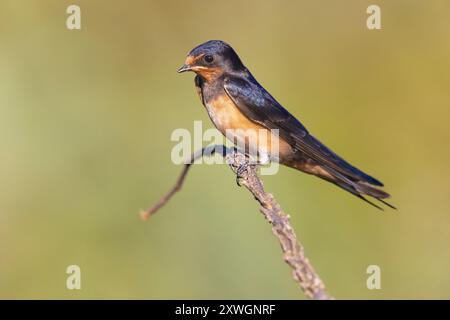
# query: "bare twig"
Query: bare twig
208,151
293,251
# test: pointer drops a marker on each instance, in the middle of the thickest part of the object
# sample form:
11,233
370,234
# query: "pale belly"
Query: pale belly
246,134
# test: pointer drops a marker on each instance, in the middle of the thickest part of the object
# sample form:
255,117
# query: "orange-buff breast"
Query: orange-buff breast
231,122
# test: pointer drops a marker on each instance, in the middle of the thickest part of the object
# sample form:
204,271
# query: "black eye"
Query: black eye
209,58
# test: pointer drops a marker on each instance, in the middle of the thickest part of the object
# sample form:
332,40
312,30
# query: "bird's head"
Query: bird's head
212,59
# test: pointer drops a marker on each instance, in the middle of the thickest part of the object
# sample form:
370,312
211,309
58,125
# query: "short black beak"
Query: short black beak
184,68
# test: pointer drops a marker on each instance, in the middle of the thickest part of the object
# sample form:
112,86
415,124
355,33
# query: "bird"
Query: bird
235,100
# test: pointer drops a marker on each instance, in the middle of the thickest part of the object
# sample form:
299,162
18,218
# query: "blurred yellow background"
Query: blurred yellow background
85,124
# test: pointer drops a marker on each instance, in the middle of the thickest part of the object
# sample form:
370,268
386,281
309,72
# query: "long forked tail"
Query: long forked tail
358,188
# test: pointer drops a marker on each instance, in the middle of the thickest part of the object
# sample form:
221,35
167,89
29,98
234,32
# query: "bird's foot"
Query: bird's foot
241,170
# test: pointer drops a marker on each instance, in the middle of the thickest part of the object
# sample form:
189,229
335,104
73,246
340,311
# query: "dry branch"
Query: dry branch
293,252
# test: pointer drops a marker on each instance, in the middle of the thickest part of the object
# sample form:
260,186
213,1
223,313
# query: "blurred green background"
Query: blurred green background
85,124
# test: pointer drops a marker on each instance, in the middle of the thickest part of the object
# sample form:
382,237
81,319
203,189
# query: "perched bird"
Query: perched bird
235,100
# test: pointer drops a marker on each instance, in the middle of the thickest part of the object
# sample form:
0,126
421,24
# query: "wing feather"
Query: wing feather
255,102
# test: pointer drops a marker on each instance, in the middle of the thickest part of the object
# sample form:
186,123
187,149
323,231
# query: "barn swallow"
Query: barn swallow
235,100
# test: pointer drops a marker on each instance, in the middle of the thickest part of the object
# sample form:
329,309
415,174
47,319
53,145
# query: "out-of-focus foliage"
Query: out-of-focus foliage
85,124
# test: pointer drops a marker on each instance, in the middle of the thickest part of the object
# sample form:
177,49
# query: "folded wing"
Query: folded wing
259,106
